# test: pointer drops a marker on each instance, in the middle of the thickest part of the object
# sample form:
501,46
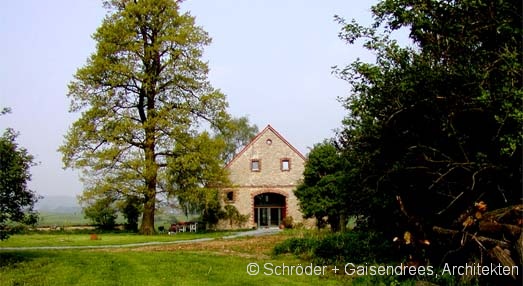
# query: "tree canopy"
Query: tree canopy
16,199
197,172
321,194
143,92
435,128
102,212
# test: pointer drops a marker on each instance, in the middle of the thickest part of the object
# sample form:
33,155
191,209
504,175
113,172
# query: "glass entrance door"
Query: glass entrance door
275,216
269,209
263,215
268,217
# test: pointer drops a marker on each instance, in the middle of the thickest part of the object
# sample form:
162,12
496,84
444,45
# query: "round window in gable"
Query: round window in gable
269,141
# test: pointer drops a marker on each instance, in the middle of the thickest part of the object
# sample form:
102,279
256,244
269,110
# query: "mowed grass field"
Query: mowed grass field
216,262
137,268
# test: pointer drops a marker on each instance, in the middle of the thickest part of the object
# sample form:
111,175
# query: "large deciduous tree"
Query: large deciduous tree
196,173
143,89
321,193
16,199
435,129
102,212
196,170
237,134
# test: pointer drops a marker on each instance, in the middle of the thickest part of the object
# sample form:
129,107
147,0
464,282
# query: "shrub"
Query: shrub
287,222
131,211
233,215
102,212
354,246
18,228
303,246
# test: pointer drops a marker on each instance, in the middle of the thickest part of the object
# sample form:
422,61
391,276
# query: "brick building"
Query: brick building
264,176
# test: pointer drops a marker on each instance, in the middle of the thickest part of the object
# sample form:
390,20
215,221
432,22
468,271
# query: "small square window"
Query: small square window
285,164
255,165
230,196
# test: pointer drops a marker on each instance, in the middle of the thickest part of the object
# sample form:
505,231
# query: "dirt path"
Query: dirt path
247,246
252,233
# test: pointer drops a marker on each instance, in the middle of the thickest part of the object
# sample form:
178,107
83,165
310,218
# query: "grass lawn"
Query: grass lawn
138,268
75,239
216,262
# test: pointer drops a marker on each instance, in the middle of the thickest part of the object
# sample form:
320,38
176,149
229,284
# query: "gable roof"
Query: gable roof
265,130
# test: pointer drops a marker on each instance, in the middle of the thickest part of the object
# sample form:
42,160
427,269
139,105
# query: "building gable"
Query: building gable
268,160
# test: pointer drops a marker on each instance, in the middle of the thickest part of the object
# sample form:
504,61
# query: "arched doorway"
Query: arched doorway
269,209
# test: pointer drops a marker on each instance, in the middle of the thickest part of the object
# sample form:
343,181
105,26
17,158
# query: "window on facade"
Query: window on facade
285,164
255,165
230,196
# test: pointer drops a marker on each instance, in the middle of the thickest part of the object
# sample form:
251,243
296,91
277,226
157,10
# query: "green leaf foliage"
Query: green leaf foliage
321,193
339,248
236,133
141,93
434,127
16,199
196,172
131,209
232,214
102,212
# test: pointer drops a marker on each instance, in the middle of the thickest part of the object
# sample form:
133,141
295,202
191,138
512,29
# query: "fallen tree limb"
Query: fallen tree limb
503,214
495,227
482,239
519,248
504,258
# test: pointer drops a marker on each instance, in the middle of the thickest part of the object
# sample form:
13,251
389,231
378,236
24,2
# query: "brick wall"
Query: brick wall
269,156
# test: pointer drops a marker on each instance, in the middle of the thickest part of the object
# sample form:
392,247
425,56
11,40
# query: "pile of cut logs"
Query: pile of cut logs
497,233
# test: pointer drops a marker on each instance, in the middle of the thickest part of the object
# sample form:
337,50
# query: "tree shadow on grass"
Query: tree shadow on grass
13,258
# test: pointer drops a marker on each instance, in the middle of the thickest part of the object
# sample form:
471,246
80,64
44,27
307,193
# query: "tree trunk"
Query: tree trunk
147,226
151,175
343,223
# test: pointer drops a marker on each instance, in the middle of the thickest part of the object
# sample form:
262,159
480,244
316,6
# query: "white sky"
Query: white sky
272,58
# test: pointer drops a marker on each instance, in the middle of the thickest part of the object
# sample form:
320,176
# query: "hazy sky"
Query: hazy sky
272,58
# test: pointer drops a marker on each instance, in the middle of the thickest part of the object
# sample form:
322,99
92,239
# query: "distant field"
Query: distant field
77,218
62,219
